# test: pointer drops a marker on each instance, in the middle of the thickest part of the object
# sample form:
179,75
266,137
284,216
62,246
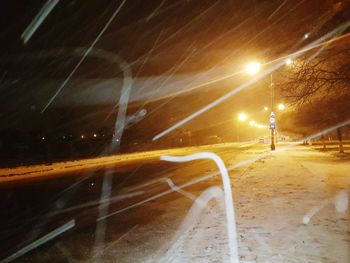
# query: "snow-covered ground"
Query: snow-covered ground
273,196
291,205
69,167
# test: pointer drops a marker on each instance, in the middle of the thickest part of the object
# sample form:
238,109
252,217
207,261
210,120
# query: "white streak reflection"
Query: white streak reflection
40,241
230,216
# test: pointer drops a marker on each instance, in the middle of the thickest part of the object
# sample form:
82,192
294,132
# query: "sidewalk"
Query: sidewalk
274,196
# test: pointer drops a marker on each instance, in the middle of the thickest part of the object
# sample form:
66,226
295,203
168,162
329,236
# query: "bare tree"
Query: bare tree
320,75
319,87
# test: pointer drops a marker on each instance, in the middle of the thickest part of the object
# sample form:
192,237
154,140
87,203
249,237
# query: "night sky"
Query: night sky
171,47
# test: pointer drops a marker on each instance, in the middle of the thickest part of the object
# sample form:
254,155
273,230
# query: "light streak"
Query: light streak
120,124
340,201
277,9
84,56
109,200
205,109
123,104
40,241
325,131
38,20
230,215
155,11
179,190
103,210
112,244
172,71
313,211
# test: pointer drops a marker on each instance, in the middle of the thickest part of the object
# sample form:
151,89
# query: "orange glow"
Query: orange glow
253,68
242,117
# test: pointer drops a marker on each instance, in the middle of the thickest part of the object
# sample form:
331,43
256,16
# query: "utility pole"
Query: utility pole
272,115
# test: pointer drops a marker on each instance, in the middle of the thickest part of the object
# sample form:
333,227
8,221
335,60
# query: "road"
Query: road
138,208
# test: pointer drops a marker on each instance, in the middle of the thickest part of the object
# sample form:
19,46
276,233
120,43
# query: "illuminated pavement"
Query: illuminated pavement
273,194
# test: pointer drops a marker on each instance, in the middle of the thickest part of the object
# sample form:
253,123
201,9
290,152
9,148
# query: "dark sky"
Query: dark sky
162,41
215,31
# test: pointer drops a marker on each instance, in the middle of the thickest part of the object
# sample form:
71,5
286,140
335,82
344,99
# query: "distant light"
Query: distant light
306,36
281,106
95,135
266,108
242,117
43,138
253,68
252,123
288,61
63,137
92,184
82,136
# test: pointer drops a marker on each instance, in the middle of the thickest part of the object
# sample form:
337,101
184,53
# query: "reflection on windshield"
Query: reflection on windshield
175,131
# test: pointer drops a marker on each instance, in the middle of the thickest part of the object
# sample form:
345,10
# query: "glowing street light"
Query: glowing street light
242,117
252,123
253,68
289,61
281,106
266,108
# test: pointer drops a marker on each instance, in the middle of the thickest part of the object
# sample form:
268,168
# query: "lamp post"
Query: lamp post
272,115
280,107
252,69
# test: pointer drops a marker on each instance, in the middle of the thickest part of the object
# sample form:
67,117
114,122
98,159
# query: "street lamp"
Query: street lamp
272,115
242,117
281,106
253,68
288,61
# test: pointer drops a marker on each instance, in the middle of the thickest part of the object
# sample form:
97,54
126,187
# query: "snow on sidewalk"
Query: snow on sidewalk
272,196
